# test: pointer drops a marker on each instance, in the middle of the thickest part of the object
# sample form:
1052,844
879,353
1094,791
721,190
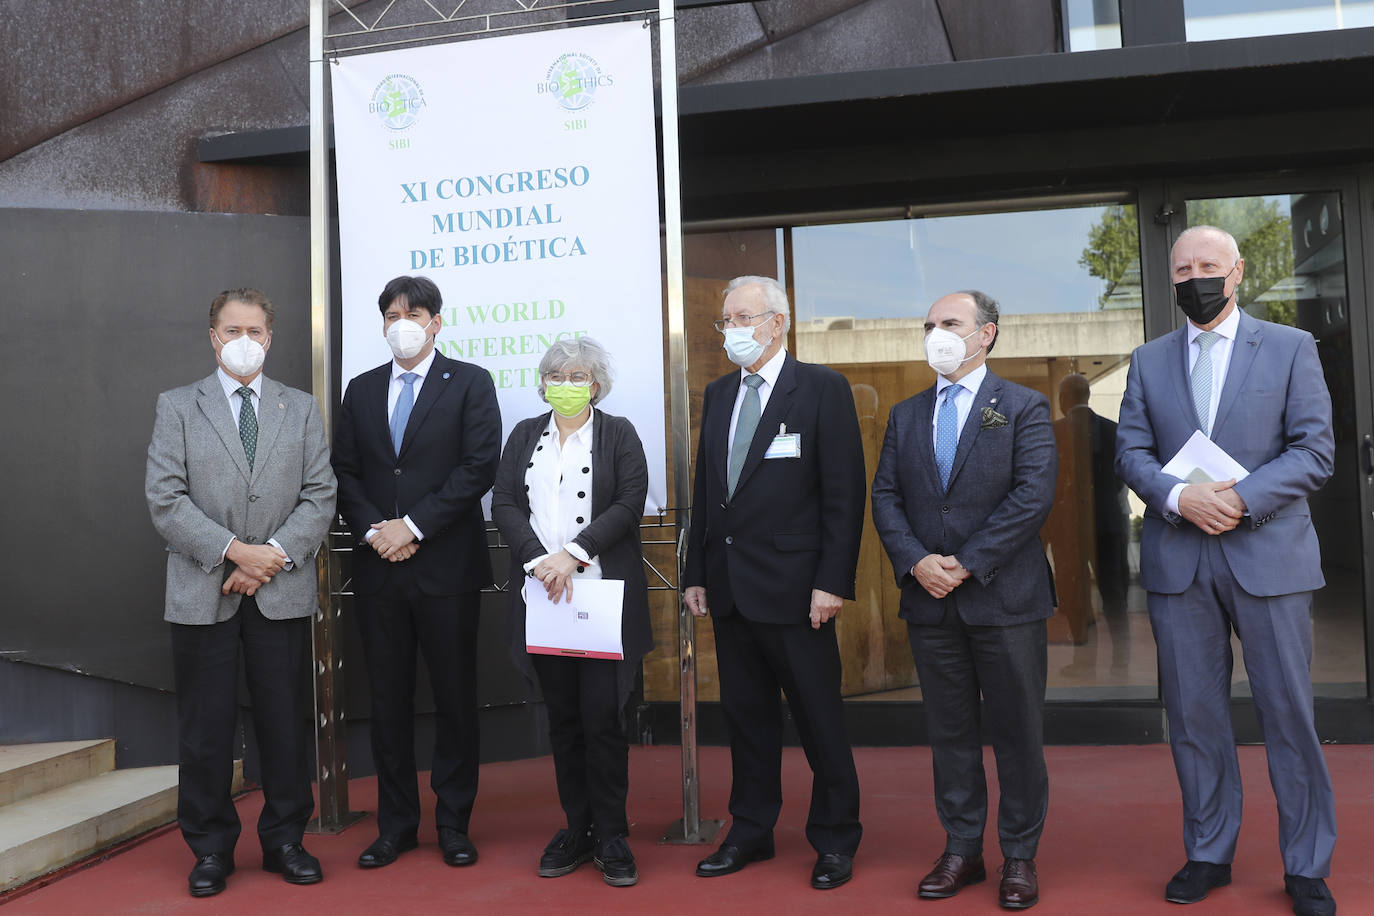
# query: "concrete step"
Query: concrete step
45,832
31,769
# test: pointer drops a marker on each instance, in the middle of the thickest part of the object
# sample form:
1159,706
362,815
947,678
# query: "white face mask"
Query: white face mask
945,350
407,338
243,356
742,347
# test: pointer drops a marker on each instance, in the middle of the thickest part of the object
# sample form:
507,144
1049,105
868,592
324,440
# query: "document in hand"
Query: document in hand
1201,460
588,626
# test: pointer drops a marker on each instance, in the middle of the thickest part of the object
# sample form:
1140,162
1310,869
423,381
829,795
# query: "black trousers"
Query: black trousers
755,661
956,662
591,754
393,622
276,656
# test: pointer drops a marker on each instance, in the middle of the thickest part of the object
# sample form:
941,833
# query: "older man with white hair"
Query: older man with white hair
1233,555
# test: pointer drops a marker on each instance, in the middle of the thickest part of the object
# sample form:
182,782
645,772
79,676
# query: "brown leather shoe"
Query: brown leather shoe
951,872
1020,888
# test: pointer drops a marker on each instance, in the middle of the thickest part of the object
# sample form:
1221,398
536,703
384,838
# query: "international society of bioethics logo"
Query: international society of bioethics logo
397,101
573,80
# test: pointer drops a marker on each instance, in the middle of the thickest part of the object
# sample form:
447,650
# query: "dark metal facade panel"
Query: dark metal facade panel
1001,28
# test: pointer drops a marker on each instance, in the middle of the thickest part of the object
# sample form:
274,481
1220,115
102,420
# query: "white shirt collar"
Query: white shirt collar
971,382
421,370
769,370
232,386
583,434
1228,328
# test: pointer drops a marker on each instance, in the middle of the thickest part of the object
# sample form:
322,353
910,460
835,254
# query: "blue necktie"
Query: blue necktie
401,415
1202,379
947,434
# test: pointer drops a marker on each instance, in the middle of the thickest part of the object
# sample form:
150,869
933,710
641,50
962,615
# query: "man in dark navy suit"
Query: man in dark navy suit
774,544
416,446
964,482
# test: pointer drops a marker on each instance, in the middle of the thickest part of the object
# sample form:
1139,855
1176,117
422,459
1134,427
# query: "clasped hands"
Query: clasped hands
824,605
938,574
1215,507
254,567
394,540
555,573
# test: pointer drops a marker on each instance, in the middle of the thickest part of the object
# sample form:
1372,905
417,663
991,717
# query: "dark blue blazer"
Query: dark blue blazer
1000,492
1274,417
447,461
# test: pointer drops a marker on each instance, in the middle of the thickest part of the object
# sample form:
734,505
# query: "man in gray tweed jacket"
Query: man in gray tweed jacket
240,486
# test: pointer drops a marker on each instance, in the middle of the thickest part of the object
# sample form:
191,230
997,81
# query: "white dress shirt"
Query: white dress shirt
393,395
1221,361
963,401
560,493
770,372
231,391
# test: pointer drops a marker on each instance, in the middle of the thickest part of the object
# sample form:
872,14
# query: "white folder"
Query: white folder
588,626
1201,460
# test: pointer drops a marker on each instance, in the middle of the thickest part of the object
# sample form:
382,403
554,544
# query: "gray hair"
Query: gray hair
1226,236
988,311
774,296
578,353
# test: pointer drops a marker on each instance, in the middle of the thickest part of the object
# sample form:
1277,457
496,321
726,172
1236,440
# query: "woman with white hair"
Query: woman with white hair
568,500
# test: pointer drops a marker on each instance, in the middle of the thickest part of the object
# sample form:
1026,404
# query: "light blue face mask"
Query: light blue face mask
741,346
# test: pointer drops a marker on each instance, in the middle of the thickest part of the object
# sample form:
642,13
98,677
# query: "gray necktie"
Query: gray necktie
744,428
1202,379
248,425
400,414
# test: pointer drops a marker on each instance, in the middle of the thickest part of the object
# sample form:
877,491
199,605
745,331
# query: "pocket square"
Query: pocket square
992,419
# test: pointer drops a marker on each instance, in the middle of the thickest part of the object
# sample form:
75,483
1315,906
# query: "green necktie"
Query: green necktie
745,425
248,425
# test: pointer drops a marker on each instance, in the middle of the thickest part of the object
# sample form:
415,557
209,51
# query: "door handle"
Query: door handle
1368,456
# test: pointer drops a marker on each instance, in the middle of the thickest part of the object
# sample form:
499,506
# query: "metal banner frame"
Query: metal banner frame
360,35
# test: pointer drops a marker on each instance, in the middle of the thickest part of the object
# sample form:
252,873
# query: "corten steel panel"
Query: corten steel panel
108,309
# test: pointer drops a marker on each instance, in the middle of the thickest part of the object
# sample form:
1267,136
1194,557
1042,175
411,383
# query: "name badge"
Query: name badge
784,444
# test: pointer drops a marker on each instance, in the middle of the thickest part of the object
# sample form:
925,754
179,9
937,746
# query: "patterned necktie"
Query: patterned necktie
1202,379
248,425
401,414
744,428
947,434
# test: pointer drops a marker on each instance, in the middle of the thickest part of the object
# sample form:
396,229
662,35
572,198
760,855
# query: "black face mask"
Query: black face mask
1202,298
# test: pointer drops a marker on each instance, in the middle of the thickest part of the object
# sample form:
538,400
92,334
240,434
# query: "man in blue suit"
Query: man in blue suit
1228,555
964,482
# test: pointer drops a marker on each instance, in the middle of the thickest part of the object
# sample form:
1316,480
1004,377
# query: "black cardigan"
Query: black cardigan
620,481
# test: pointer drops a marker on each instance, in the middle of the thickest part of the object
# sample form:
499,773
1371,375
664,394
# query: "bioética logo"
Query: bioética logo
397,101
573,80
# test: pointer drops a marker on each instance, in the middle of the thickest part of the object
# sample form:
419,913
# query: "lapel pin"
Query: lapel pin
446,375
281,406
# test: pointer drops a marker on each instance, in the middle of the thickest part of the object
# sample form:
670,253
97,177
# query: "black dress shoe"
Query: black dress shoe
616,862
293,863
1020,888
832,869
729,859
1194,880
567,850
950,873
385,850
457,848
207,878
1311,896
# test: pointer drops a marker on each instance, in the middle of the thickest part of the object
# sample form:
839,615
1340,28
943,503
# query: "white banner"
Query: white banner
520,174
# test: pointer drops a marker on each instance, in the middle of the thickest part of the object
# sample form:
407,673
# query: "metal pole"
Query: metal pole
331,763
691,829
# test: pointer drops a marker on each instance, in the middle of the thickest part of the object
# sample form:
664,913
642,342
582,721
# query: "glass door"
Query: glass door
1303,267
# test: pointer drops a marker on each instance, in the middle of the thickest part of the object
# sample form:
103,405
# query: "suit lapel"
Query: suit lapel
271,412
1243,352
718,436
922,439
778,402
215,406
373,395
440,372
989,395
1178,370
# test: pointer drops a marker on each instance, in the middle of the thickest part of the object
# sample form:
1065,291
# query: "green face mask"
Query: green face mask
568,399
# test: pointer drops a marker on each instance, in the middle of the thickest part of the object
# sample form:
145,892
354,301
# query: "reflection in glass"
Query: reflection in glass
1207,20
1068,281
1093,24
1294,251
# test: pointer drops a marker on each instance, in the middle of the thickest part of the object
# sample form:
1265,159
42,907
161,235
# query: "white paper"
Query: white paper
1202,460
588,626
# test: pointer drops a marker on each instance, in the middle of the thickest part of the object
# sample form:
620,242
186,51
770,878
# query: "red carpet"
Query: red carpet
1111,843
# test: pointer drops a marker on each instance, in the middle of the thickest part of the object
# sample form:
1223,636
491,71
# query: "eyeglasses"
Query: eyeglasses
580,379
738,321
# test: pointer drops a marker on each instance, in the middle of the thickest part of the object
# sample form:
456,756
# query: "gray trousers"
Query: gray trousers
1193,632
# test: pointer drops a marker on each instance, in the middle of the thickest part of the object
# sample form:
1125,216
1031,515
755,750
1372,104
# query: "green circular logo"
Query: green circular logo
397,101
